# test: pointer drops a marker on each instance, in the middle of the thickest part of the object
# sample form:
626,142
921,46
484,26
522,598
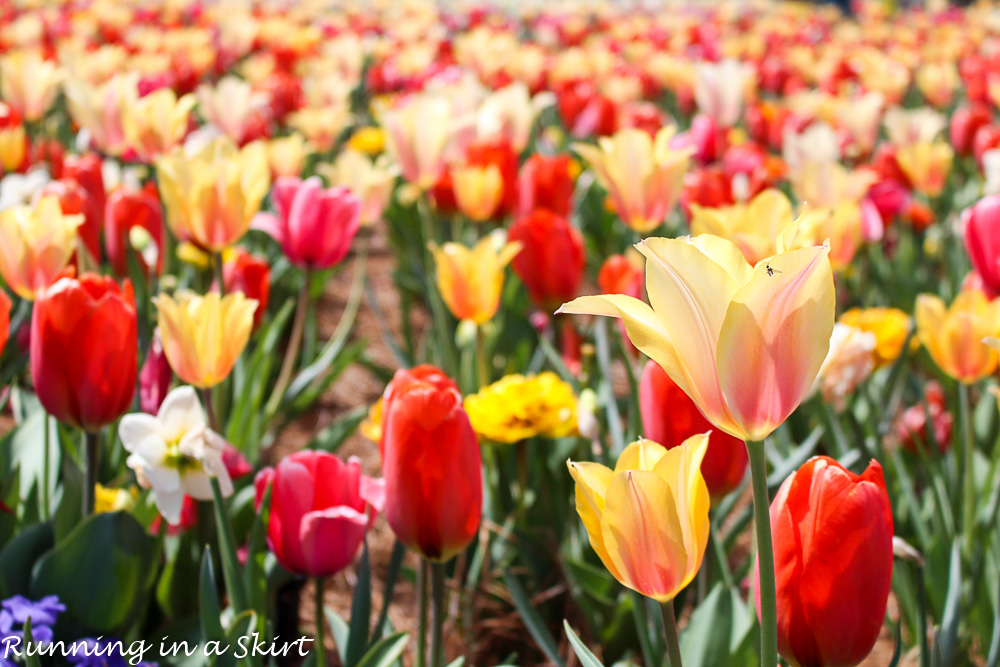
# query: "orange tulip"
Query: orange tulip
954,336
470,279
36,243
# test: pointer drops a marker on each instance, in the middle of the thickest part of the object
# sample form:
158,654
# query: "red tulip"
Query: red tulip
832,537
87,171
546,182
83,350
127,208
911,429
552,259
431,462
987,137
250,274
154,377
669,418
501,154
618,275
965,122
320,510
5,305
982,241
706,186
315,227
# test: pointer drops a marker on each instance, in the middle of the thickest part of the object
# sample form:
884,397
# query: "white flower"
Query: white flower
175,453
18,189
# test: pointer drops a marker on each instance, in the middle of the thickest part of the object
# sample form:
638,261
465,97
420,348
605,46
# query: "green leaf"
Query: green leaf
392,573
717,631
30,660
897,651
587,659
532,619
256,577
361,611
340,630
211,625
19,556
385,652
101,572
457,662
946,640
333,436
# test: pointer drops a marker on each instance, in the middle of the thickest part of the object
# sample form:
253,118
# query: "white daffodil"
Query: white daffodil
175,453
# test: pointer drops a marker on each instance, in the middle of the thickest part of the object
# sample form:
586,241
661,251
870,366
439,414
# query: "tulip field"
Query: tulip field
488,334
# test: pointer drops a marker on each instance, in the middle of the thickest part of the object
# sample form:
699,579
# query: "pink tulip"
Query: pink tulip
982,240
320,510
314,226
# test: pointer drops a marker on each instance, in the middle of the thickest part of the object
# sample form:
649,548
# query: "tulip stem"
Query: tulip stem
482,362
219,275
967,475
765,554
227,545
670,631
422,614
292,351
437,615
320,645
92,440
45,505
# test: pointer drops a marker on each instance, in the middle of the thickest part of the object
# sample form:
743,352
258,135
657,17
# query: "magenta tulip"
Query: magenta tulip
982,240
320,510
315,227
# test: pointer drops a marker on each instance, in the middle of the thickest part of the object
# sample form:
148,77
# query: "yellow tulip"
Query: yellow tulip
372,181
470,279
478,190
938,83
648,518
321,125
744,342
839,224
204,335
416,135
29,83
156,123
13,148
643,176
927,165
101,109
212,196
36,243
891,327
287,155
753,226
368,140
954,336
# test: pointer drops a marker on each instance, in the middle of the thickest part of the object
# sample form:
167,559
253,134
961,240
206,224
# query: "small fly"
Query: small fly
770,271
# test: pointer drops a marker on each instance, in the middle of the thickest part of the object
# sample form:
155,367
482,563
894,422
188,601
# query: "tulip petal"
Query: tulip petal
592,480
680,468
642,534
689,291
641,455
644,328
775,338
330,539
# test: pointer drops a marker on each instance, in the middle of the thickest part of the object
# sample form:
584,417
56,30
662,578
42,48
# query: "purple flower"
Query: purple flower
42,613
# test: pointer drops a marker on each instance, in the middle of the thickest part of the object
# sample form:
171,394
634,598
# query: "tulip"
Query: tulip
648,518
745,343
982,240
416,136
174,453
212,196
499,155
964,125
911,428
643,176
155,376
29,83
80,329
5,306
230,105
833,554
130,209
842,225
287,155
431,463
471,279
890,326
720,89
621,274
849,363
927,165
552,259
954,336
478,190
546,181
320,510
371,181
669,418
204,335
74,200
157,123
906,127
250,274
14,143
101,109
36,244
87,170
938,82
315,227
509,113
753,226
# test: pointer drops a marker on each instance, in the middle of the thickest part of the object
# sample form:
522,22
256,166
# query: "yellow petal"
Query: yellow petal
592,480
681,470
641,455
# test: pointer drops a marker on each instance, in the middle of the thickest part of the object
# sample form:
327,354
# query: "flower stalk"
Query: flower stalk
765,554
